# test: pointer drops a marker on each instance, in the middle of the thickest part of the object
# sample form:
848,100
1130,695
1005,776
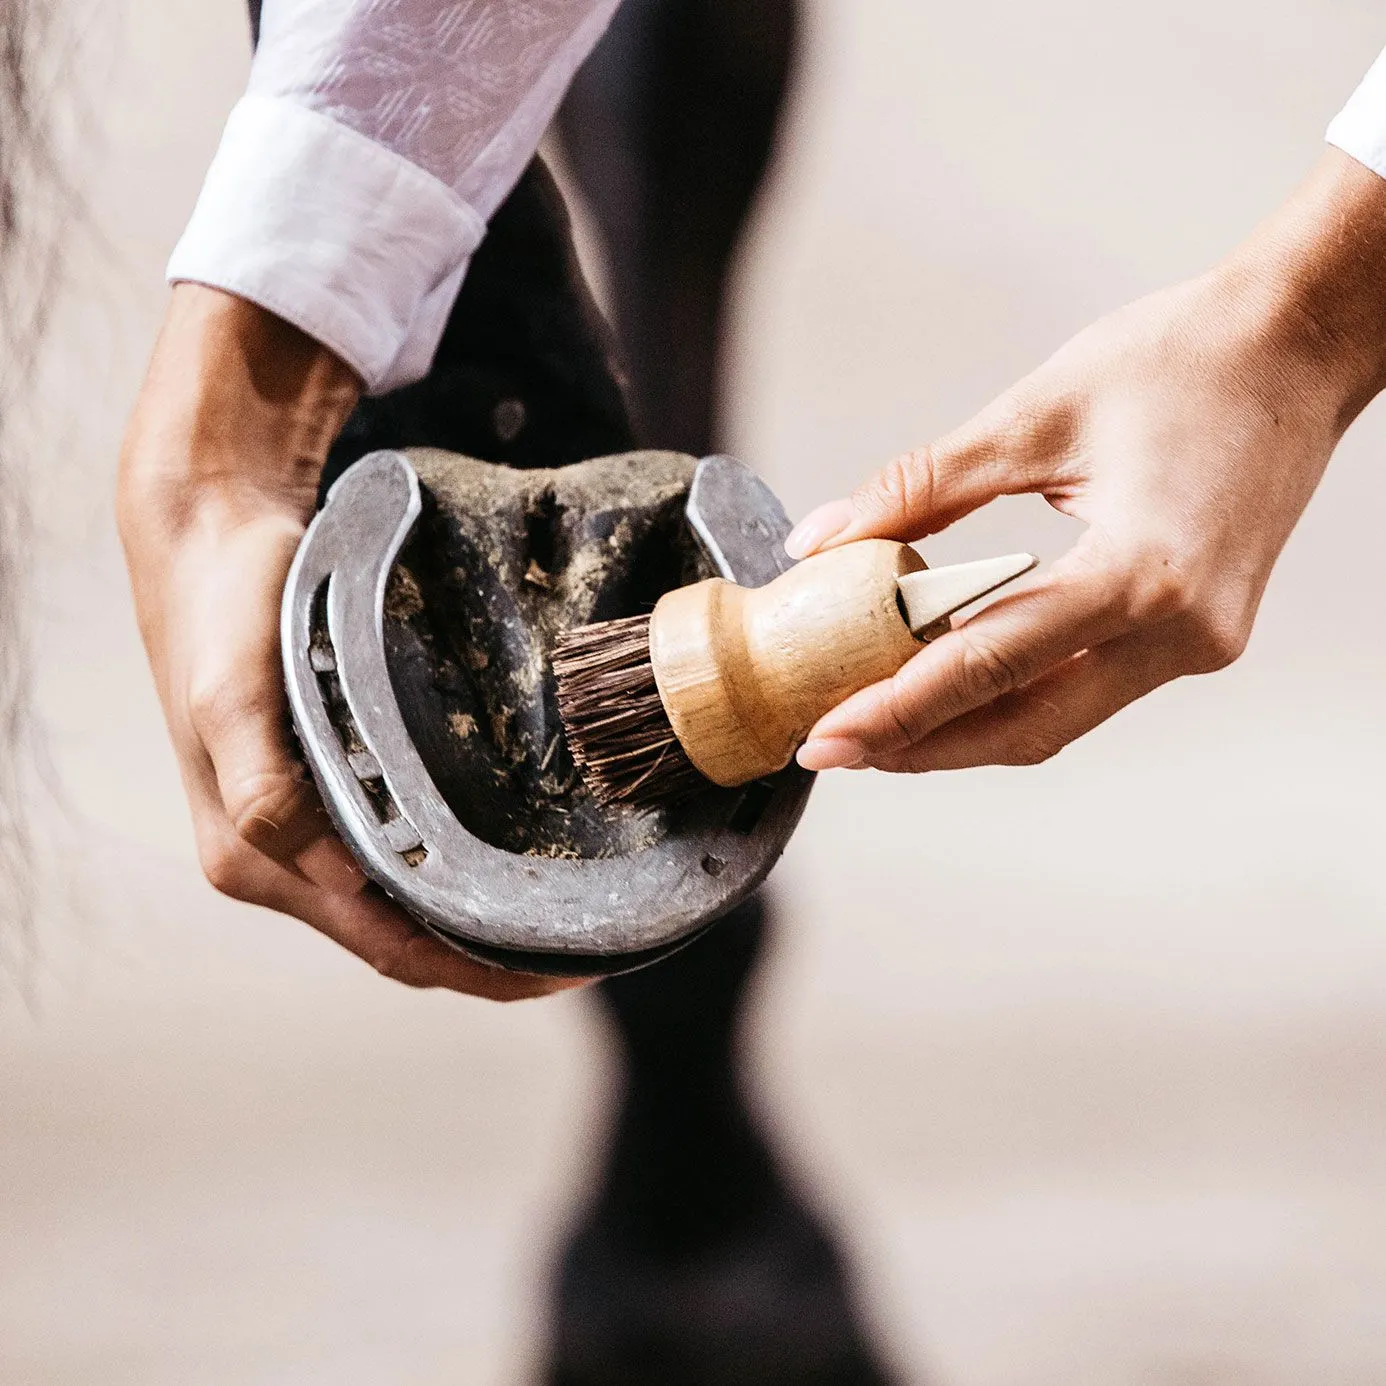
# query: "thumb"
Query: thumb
1005,450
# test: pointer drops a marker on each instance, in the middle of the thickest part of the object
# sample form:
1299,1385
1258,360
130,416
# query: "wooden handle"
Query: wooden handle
745,672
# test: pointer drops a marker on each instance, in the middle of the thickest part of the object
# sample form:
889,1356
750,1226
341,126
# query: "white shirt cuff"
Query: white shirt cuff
1359,128
333,232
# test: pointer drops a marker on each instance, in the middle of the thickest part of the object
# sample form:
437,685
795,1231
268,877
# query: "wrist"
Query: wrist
235,400
1312,281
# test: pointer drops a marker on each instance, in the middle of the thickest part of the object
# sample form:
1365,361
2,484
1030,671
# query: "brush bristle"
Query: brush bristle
617,728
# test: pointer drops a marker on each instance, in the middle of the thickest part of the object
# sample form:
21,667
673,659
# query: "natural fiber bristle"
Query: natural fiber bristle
617,728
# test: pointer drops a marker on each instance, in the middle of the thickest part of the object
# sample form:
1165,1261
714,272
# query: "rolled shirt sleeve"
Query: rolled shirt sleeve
1359,129
355,178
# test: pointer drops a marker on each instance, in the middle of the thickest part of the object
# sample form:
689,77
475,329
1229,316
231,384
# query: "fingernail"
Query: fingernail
831,753
817,528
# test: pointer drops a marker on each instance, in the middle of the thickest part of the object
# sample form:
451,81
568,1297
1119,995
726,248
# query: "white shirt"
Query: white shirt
356,176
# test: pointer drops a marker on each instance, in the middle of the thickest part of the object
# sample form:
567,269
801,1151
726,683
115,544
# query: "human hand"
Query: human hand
1188,431
218,478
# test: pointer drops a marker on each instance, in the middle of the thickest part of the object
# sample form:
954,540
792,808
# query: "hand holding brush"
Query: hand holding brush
723,683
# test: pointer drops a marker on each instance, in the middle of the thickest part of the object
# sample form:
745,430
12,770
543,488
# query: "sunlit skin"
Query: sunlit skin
1188,432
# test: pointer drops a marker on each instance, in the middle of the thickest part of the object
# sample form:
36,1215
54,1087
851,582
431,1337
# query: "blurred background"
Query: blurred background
1085,1062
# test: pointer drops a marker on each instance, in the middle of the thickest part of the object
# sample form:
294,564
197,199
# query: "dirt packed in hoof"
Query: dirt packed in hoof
501,562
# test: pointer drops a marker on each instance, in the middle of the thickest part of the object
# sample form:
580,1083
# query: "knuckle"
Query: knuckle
1217,641
984,671
1156,586
1209,621
1039,739
399,962
902,489
899,706
225,863
261,805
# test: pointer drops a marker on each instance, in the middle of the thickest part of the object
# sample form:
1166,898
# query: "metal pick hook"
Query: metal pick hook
931,596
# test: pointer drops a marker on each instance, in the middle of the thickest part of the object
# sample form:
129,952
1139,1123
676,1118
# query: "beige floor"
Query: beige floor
1087,1060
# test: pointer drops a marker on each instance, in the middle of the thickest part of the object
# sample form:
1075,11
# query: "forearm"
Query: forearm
1312,277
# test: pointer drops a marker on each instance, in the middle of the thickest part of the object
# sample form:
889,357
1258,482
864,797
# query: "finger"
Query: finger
324,860
1005,450
265,789
1078,604
368,925
365,922
239,712
1033,725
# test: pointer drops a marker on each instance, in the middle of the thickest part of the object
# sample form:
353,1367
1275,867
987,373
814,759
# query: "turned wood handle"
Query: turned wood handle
745,672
